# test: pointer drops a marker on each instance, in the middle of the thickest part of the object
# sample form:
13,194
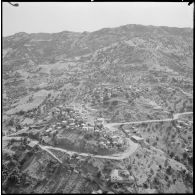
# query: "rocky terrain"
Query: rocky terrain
73,101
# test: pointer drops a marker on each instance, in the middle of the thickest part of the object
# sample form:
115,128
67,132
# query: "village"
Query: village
83,131
109,176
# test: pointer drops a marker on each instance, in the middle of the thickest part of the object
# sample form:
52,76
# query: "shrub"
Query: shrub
154,144
169,170
185,155
114,103
189,137
190,160
171,154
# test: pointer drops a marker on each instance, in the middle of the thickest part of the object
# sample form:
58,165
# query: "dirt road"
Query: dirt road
175,117
120,156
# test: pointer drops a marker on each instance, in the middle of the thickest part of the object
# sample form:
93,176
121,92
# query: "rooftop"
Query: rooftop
32,144
137,138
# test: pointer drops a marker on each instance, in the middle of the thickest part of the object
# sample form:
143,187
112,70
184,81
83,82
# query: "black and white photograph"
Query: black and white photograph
97,97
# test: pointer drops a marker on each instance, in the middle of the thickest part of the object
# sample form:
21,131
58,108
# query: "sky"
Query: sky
91,16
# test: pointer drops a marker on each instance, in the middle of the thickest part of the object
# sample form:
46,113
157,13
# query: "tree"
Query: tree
154,144
177,158
171,154
114,103
151,171
11,122
99,174
129,167
189,137
169,170
190,160
185,155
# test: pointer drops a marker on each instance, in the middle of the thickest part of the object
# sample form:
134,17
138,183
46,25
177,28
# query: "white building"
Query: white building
85,128
91,129
48,130
97,192
121,176
100,120
137,139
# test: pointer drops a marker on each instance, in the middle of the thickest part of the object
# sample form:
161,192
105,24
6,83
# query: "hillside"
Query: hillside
70,92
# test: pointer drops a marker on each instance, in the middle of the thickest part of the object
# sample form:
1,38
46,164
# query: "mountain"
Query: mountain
122,55
41,47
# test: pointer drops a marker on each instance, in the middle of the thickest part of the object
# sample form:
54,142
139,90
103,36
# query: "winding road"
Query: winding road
175,117
120,156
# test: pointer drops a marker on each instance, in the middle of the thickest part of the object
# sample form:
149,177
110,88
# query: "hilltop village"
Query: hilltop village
110,155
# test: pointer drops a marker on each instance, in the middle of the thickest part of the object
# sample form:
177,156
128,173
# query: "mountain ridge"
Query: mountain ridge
174,27
72,44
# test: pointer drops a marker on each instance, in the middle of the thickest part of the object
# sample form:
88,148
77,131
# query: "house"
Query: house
58,128
101,120
48,130
124,173
97,132
107,142
58,124
46,140
97,192
31,144
102,139
63,112
91,129
72,124
120,141
64,123
53,133
71,120
137,139
71,111
102,145
115,138
114,176
110,192
150,191
85,128
121,176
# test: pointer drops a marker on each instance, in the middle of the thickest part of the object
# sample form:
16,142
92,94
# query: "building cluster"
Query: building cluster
104,93
107,139
67,119
114,142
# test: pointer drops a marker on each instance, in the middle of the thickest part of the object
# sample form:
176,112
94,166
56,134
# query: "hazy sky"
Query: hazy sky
91,16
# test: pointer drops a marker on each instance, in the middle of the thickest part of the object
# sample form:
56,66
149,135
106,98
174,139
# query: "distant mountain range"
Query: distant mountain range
129,43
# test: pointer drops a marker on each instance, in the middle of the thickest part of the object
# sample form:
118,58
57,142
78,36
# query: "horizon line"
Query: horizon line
95,30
